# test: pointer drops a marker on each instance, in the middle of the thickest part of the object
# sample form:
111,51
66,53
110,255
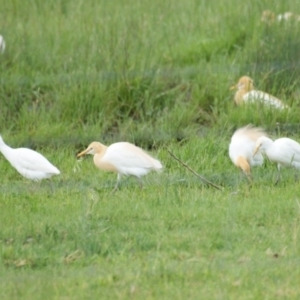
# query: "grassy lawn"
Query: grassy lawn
156,74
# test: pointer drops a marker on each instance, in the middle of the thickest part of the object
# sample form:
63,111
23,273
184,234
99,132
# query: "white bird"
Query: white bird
123,158
247,94
283,151
28,163
242,146
288,16
285,16
269,17
2,44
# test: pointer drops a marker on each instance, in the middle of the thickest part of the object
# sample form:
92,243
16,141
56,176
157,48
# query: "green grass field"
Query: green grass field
157,74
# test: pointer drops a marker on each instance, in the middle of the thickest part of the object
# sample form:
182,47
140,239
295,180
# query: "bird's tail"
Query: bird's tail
157,166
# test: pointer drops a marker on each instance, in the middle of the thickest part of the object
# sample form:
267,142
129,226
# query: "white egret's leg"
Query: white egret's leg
296,176
294,165
140,181
278,174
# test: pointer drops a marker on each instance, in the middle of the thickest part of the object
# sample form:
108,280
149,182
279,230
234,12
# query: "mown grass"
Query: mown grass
72,237
157,74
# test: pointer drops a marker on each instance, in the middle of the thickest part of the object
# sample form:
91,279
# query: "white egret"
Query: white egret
123,158
285,16
283,151
247,94
2,44
269,17
242,146
28,163
288,16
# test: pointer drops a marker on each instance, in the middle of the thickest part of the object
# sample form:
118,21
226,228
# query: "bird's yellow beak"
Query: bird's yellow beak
84,152
255,150
234,87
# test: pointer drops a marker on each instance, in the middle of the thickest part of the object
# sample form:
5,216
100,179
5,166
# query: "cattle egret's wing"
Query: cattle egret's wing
126,155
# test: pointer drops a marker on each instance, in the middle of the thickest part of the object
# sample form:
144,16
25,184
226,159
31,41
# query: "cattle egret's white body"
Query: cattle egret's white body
268,17
283,151
2,44
247,94
242,146
259,96
123,158
28,163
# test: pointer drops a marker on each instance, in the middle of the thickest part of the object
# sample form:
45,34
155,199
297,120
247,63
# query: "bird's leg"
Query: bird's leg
278,174
296,176
52,189
249,177
117,183
140,181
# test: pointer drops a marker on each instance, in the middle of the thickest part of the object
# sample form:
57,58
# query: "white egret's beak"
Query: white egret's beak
84,152
234,87
256,150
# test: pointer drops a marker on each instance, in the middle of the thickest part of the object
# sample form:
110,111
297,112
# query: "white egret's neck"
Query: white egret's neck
2,144
264,143
6,150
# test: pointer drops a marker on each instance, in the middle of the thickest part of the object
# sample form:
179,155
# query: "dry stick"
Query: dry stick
202,178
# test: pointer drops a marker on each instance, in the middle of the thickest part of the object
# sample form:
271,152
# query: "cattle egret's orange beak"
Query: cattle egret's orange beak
83,152
234,87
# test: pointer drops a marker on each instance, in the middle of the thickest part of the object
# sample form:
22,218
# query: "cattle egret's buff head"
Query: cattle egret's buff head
245,83
92,149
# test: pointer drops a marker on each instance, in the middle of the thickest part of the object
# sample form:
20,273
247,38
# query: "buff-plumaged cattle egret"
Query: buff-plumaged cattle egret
246,93
242,146
283,151
28,163
268,16
123,158
2,44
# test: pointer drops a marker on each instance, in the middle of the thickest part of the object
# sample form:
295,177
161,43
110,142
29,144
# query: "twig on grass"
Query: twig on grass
191,170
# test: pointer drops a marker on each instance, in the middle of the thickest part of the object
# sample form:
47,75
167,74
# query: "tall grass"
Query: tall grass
117,65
